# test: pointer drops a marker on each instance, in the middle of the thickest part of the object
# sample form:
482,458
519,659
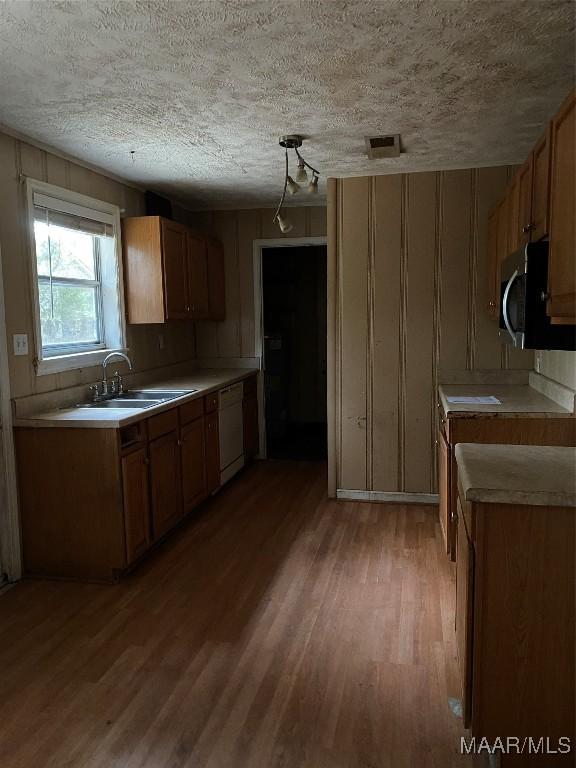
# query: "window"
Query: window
78,306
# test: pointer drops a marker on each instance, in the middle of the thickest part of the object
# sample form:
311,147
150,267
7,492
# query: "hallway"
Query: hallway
278,629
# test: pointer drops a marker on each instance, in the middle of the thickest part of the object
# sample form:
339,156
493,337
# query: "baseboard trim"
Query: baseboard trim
398,498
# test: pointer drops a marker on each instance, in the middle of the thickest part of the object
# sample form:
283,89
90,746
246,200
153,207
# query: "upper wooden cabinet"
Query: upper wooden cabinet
524,223
540,203
492,272
539,217
512,216
172,272
173,262
562,258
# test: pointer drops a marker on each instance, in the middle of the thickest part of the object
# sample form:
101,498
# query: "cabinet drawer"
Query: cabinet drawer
191,411
250,387
162,423
211,402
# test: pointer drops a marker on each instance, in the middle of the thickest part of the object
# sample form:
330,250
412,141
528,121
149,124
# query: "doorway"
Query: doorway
294,294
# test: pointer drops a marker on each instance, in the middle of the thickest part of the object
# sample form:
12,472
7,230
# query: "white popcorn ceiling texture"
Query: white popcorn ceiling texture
202,90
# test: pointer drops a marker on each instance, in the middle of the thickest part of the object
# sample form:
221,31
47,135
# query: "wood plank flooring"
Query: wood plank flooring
276,629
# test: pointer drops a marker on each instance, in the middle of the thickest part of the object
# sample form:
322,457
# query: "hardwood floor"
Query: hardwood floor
276,629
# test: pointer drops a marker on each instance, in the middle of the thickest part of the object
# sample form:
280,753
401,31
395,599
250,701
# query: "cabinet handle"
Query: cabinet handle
527,228
146,460
492,304
179,442
544,296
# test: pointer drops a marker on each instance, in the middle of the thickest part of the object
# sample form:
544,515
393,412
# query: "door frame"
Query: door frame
10,540
258,247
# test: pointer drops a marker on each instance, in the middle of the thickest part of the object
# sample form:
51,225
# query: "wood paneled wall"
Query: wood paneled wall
408,255
19,158
234,337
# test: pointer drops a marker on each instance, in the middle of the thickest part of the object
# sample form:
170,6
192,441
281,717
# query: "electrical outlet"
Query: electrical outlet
20,343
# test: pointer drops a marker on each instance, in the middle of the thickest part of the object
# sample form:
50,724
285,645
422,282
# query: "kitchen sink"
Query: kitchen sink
138,398
118,403
153,394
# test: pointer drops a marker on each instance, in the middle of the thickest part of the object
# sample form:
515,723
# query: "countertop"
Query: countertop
517,401
517,474
202,380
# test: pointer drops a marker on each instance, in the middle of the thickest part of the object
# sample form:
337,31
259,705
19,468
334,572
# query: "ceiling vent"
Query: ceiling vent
382,146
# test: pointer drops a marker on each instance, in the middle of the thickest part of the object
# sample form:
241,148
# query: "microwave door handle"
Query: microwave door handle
507,322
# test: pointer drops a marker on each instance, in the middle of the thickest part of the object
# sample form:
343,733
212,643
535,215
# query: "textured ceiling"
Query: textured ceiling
202,90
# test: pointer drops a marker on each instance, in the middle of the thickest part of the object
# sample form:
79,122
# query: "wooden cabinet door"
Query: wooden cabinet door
165,487
136,503
493,277
513,216
212,451
175,270
541,186
501,250
464,613
444,489
216,283
193,464
197,277
251,436
525,224
562,262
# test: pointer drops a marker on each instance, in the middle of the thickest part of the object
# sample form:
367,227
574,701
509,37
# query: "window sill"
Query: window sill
73,362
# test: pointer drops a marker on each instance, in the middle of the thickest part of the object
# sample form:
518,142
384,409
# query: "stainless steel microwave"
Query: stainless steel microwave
523,293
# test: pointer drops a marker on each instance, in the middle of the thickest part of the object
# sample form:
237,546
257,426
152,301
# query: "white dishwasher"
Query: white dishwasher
231,428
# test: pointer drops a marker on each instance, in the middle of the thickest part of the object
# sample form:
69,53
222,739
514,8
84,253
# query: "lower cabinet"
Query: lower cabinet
193,455
122,489
515,628
136,503
212,451
165,494
478,428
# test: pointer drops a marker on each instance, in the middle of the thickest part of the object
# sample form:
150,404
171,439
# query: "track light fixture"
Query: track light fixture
294,142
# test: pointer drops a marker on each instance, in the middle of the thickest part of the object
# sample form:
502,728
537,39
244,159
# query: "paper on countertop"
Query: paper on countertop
481,400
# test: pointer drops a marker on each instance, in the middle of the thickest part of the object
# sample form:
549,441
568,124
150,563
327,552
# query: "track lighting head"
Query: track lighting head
284,224
313,186
301,174
293,188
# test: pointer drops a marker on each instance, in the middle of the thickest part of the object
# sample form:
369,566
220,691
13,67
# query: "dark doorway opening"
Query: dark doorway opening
294,303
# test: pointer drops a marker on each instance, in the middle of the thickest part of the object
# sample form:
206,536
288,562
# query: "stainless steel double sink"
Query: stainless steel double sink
138,398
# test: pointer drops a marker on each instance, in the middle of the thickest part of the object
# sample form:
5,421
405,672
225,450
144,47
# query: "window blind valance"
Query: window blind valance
59,213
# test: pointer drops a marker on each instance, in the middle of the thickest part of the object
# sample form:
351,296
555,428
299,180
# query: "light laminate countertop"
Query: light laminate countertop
517,401
204,381
517,474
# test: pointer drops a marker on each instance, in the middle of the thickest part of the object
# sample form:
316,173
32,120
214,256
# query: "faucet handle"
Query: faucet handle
116,385
95,389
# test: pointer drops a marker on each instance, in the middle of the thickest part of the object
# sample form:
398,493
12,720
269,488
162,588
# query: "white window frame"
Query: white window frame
112,285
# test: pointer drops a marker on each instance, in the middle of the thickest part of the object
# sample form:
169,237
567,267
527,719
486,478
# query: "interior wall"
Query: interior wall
410,279
237,230
17,159
558,365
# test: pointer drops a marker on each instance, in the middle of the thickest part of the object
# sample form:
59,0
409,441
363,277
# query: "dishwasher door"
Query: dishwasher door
231,429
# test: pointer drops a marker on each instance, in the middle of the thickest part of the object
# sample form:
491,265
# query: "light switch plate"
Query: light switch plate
20,343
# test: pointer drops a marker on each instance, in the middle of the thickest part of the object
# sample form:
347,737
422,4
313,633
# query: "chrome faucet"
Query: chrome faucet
105,388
